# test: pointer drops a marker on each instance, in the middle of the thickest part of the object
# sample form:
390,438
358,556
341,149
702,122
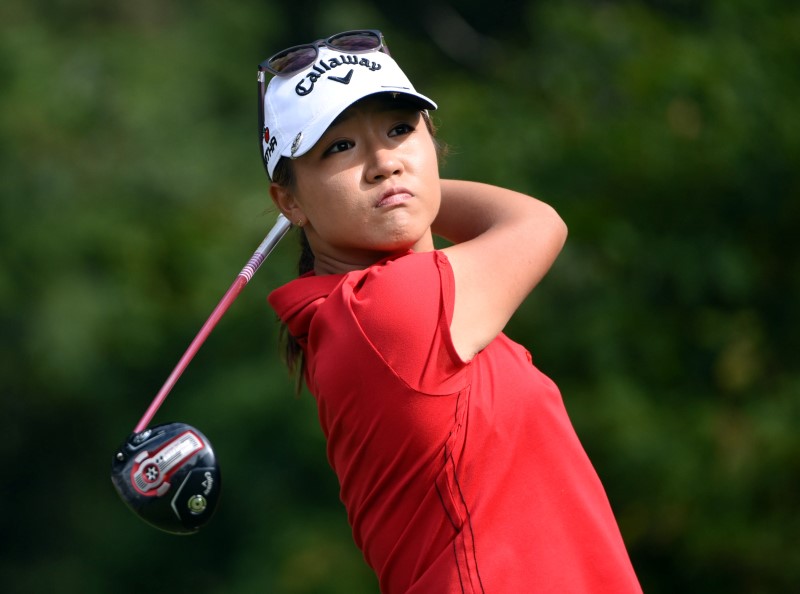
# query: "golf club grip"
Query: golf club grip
277,233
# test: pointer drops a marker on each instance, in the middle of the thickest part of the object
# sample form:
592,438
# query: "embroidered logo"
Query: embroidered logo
271,144
306,84
345,80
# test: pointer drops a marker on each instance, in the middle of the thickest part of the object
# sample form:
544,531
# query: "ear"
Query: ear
286,203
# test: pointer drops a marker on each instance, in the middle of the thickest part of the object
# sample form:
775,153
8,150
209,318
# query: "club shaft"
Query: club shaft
277,232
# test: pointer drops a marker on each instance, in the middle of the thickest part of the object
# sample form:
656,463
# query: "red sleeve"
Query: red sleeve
404,307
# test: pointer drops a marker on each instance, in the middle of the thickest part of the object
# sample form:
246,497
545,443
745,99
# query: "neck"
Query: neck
333,263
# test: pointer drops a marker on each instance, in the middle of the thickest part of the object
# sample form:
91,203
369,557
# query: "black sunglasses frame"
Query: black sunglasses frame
330,42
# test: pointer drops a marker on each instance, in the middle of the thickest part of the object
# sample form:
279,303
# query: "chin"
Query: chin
417,238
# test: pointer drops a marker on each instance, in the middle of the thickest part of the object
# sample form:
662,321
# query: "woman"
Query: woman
457,463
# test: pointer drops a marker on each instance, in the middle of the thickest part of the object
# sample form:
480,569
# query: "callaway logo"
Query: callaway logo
306,85
345,80
208,484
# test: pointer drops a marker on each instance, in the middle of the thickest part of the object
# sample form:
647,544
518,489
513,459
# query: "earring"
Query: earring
300,222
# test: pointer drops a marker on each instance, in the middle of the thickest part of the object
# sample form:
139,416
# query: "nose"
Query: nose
382,164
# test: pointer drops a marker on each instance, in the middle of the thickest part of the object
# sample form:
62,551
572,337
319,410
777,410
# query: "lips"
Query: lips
394,196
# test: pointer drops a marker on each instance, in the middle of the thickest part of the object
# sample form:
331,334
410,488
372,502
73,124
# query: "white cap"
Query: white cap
298,109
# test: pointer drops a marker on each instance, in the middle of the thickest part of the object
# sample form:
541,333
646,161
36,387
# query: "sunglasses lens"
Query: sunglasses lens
355,41
300,57
293,60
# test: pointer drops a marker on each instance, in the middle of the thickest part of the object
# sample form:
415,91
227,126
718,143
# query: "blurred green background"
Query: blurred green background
666,133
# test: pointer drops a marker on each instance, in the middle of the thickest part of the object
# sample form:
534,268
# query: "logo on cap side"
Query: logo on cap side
272,144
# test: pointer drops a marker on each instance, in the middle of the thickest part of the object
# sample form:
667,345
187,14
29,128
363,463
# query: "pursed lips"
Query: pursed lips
393,196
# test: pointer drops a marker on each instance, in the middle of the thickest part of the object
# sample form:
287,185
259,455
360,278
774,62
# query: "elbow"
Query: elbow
555,225
563,230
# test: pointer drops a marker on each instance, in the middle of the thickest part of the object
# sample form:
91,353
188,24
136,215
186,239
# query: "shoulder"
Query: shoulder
409,276
404,307
406,288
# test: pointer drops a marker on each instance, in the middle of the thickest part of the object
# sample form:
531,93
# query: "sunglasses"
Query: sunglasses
299,57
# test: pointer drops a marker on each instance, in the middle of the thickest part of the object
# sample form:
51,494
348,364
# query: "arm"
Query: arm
505,242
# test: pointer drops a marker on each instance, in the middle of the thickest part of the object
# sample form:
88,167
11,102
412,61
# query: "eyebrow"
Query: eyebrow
342,117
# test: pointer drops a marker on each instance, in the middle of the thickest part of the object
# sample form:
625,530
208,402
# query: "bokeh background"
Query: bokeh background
666,133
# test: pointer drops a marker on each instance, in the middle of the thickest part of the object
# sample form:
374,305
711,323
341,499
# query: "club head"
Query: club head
168,475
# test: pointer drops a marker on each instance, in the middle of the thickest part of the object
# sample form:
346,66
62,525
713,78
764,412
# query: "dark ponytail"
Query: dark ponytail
292,353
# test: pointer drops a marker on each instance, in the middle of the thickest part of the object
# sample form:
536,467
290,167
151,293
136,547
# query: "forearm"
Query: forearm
470,209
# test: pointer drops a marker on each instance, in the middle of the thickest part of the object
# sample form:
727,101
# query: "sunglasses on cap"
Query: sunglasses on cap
294,59
299,57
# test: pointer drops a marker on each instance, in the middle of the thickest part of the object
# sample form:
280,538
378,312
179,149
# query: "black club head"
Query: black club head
168,475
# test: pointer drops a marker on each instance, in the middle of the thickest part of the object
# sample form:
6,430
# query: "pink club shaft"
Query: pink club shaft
277,232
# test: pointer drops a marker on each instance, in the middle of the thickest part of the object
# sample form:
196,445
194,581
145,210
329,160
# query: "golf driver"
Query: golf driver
168,474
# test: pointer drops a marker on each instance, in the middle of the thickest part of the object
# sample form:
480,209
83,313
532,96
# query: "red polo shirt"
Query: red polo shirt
457,477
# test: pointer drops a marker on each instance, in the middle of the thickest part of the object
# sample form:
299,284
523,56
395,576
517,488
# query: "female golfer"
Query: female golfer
457,463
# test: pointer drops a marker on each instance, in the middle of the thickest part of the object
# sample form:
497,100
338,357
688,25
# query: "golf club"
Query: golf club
169,475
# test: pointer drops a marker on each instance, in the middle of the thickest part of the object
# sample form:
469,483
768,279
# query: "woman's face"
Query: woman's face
369,188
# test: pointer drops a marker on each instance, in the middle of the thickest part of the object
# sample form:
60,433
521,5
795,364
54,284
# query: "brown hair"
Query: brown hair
284,175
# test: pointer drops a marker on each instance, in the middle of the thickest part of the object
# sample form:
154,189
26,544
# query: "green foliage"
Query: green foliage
665,133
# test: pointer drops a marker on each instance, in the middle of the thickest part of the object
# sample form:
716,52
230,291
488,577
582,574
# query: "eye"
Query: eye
401,129
339,146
